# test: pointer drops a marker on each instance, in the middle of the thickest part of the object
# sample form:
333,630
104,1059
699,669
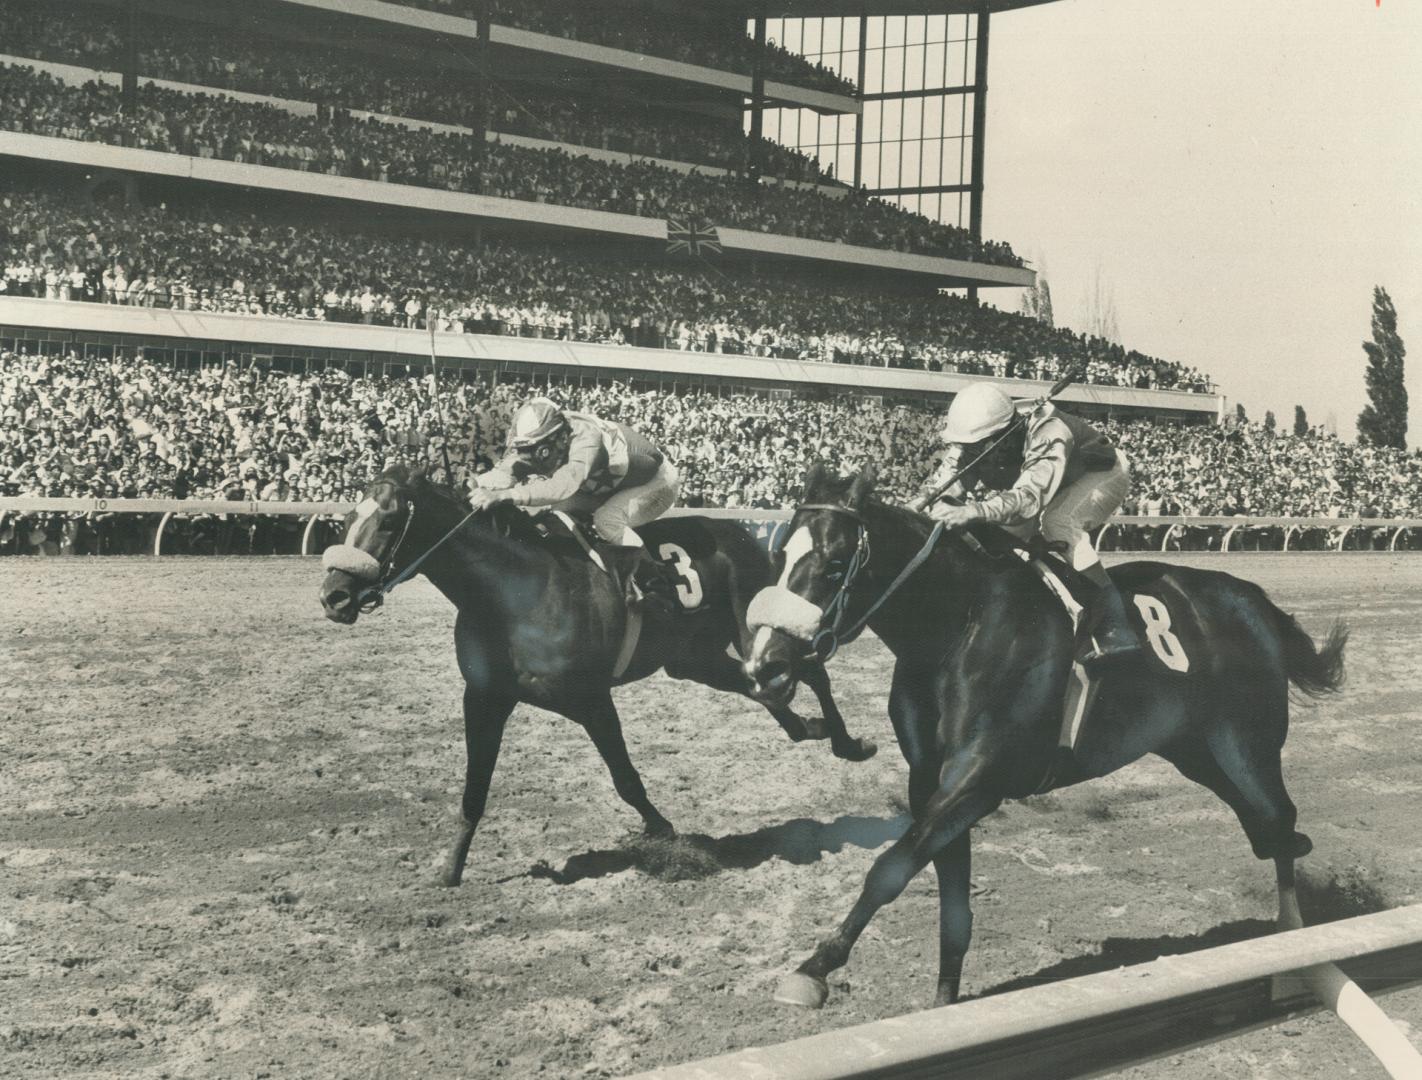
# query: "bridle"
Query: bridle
828,639
373,596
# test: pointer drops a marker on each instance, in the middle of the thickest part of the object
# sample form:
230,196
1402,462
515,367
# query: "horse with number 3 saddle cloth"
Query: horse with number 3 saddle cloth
544,619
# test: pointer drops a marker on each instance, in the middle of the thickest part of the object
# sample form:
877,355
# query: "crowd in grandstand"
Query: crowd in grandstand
131,427
205,56
216,126
67,249
641,28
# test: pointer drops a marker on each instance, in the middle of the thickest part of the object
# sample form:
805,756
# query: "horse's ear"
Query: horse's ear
862,485
814,481
419,473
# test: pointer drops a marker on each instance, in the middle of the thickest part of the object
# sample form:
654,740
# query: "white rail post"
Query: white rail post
158,536
1287,534
1102,534
1391,544
1343,536
1224,544
1366,1019
1169,530
306,536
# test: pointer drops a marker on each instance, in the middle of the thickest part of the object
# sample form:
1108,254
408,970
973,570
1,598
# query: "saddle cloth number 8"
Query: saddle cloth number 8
1156,617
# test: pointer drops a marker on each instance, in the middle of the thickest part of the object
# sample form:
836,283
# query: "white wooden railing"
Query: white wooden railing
314,512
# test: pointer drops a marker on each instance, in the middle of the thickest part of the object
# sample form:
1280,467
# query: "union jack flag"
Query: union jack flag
692,238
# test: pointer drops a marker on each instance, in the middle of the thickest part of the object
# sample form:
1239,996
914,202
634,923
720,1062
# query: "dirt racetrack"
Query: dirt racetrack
220,817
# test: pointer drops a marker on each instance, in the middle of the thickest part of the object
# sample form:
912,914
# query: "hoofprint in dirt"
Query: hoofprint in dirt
220,820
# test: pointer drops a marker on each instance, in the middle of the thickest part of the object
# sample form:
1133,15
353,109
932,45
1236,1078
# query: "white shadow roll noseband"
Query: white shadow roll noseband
780,609
352,560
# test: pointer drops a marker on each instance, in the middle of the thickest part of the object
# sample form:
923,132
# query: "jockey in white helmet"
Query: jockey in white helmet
581,464
1060,475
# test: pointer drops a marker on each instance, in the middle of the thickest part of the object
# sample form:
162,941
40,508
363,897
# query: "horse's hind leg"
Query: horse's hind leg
1243,769
484,719
603,726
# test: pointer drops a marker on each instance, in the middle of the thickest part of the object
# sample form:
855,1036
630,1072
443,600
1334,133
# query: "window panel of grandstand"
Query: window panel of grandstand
912,138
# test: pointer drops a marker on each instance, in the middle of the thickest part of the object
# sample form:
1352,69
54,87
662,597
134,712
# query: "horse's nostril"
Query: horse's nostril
773,672
337,599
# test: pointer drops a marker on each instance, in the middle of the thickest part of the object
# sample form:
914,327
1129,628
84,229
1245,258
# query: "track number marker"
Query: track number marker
688,585
1157,627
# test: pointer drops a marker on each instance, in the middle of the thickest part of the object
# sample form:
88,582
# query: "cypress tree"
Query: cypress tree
1383,420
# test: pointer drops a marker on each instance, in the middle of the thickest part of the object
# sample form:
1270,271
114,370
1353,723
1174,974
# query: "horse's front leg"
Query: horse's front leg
484,717
963,797
844,745
721,672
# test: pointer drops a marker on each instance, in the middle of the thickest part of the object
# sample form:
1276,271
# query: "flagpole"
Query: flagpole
439,413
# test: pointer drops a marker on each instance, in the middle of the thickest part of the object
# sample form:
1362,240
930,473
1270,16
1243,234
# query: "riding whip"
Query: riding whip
1075,372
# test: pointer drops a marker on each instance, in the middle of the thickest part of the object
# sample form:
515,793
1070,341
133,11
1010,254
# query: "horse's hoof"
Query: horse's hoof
803,991
857,750
659,830
451,879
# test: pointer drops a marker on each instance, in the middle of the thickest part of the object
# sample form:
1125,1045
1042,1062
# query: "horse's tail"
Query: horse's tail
1314,670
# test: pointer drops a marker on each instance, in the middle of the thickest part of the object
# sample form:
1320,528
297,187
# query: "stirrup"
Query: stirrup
1098,658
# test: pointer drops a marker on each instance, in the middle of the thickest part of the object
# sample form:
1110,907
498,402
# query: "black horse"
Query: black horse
984,654
540,623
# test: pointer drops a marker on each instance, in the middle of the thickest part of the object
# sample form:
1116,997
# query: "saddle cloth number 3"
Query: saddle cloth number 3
688,581
1157,627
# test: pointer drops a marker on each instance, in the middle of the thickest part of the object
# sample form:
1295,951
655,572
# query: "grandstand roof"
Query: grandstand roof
811,8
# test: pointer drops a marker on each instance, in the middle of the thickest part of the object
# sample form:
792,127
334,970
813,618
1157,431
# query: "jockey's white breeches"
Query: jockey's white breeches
1083,506
624,510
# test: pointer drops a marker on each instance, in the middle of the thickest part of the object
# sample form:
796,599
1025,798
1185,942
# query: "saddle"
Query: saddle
641,576
562,530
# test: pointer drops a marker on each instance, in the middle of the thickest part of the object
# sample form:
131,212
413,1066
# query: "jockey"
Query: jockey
581,464
1061,476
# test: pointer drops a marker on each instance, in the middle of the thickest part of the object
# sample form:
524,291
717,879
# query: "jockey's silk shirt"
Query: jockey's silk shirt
603,457
1059,450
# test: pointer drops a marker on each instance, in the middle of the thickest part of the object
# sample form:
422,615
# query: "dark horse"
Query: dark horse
984,653
540,623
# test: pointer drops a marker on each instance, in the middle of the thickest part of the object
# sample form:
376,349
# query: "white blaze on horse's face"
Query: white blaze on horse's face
364,510
797,547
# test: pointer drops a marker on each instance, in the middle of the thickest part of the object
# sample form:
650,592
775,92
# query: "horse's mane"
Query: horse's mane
504,519
994,543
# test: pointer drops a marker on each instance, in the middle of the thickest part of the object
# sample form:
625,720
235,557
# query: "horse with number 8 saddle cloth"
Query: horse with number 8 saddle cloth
986,645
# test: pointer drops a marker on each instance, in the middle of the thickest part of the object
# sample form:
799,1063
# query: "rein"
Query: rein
374,596
827,642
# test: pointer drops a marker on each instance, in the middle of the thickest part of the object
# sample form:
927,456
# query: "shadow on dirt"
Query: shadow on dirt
1325,895
692,855
1122,952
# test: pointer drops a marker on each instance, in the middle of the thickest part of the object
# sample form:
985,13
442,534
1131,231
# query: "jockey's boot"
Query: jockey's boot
649,587
1114,636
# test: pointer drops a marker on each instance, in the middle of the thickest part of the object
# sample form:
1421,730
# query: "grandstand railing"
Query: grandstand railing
765,522
270,335
1100,1023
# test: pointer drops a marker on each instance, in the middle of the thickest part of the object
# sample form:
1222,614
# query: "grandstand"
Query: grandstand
223,219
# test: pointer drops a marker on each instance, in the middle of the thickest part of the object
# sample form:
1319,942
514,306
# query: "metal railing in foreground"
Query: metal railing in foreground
766,520
1099,1023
